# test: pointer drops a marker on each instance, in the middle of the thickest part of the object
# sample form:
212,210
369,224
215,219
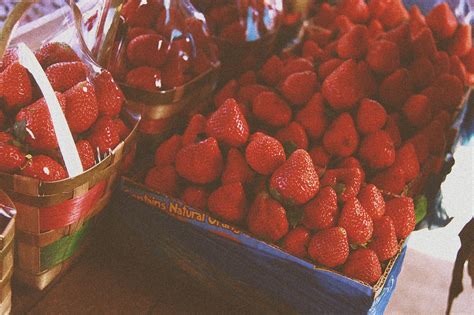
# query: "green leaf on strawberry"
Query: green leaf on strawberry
421,207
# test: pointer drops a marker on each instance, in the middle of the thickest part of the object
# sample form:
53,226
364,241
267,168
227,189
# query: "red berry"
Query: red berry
196,197
55,52
372,201
44,168
356,221
312,117
341,137
271,70
228,202
417,110
296,242
442,21
402,211
329,247
327,67
81,107
109,97
65,75
384,242
86,153
196,127
296,65
371,116
424,45
363,265
321,212
163,179
104,135
15,86
383,56
298,87
294,134
271,109
148,50
356,10
145,78
354,43
396,89
11,158
422,72
461,44
394,14
166,153
346,182
229,90
377,150
264,154
236,169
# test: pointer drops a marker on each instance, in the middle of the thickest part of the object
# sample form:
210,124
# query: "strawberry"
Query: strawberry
10,56
195,128
377,150
145,78
44,168
327,67
391,127
148,50
167,20
417,20
312,51
86,153
312,117
271,109
394,14
352,162
248,78
346,182
163,179
296,65
81,107
343,24
400,35
341,137
461,44
375,28
293,134
329,247
55,52
166,153
383,56
325,15
267,218
377,7
227,124
342,88
371,116
137,31
122,129
248,93
104,135
391,180
271,70
321,36
264,154
436,137
457,68
235,33
228,202
320,159
441,63
65,75
402,212
11,158
236,169
173,74
450,91
196,197
442,21
15,86
372,201
229,90
354,43
424,45
396,89
298,87
321,212
200,163
356,10
421,142
384,241
468,60
422,72
363,265
295,181
296,242
139,13
109,97
201,62
417,110
356,221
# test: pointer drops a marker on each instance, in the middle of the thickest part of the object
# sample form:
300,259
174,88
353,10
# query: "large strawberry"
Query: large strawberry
396,89
442,21
294,134
196,128
264,154
271,109
296,242
86,153
383,56
296,181
363,265
145,78
44,168
402,211
345,181
353,44
148,50
312,117
372,201
271,70
390,180
109,97
321,212
163,179
9,56
299,87
329,247
104,135
236,169
407,160
11,158
356,221
65,75
81,107
341,138
165,154
15,86
55,52
377,150
384,241
371,116
228,202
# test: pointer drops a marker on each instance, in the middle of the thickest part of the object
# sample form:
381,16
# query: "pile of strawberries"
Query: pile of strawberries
91,104
318,151
163,48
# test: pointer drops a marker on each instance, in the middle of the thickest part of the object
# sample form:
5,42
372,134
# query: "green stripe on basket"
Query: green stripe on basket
64,248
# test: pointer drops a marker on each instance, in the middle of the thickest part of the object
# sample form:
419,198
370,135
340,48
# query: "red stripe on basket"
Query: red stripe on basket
72,210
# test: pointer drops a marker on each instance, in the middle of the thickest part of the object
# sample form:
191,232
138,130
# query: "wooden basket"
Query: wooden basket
7,236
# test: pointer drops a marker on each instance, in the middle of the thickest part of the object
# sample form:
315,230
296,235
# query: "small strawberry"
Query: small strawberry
229,90
228,202
236,169
329,247
298,87
391,180
417,20
44,168
450,91
122,128
10,56
148,50
104,135
293,134
173,74
248,93
421,142
345,181
321,212
461,43
55,52
372,201
457,68
145,78
343,24
369,86
396,89
227,124
442,21
81,107
327,67
352,162
377,150
296,181
321,36
139,13
391,127
271,109
196,197
325,15
15,86
363,265
400,35
383,56
271,70
86,153
417,110
354,43
312,51
166,153
11,158
375,28
402,211
384,241
195,128
356,221
296,242
109,96
200,163
312,117
441,63
163,179
296,65
422,72
264,154
356,10
267,218
65,75
468,60
341,137
371,116
436,136
394,14
424,45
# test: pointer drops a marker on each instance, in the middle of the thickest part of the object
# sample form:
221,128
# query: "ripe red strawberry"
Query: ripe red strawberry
377,7
325,15
5,137
396,89
372,201
394,14
138,13
294,134
436,137
267,218
391,180
298,87
296,242
441,63
329,247
321,36
356,10
173,74
65,75
248,93
457,68
312,51
137,31
422,72
236,169
228,202
200,163
271,109
104,135
468,60
421,142
371,116
122,129
354,43
320,159
229,90
375,28
356,221
341,138
44,168
352,162
384,241
312,117
109,97
367,82
296,65
402,212
163,179
196,127
15,86
343,24
327,67
400,35
86,153
145,78
228,125
417,110
424,45
377,150
55,52
11,158
442,21
148,50
345,181
417,20
264,154
271,70
383,56
450,91
321,212
296,181
363,265
342,88
81,107
196,197
9,56
462,41
166,153
391,127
